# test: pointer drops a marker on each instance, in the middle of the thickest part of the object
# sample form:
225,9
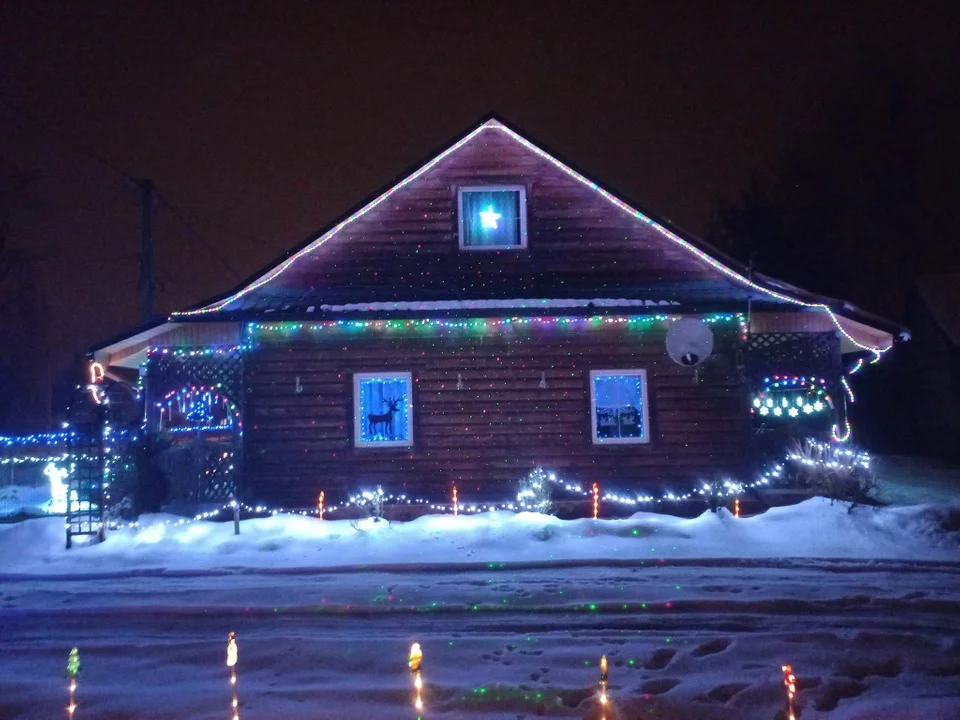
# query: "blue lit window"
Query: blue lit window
618,406
493,217
382,410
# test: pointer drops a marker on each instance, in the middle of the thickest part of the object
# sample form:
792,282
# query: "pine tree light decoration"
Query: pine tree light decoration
232,664
73,670
535,492
414,661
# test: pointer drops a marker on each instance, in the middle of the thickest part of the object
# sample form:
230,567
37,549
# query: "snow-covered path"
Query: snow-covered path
686,638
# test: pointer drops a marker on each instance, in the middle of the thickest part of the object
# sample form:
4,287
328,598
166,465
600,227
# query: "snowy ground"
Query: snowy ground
513,612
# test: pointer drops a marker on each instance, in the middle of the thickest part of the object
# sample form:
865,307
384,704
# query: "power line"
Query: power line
66,140
196,235
206,220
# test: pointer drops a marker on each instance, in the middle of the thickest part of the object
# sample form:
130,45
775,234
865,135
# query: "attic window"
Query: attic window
493,217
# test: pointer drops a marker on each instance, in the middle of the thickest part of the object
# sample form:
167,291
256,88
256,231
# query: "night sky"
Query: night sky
261,122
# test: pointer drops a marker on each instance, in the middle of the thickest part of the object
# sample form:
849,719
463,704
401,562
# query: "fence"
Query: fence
56,472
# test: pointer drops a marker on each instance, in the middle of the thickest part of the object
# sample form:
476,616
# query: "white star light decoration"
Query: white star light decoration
489,218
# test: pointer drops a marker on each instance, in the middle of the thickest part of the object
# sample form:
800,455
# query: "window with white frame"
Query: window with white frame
493,217
619,411
382,409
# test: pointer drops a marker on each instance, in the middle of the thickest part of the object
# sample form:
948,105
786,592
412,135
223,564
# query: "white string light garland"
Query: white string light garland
633,212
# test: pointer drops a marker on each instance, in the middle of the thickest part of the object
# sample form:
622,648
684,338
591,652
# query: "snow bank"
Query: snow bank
813,529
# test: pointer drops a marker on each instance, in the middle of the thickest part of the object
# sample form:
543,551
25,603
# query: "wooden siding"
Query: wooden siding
407,247
493,431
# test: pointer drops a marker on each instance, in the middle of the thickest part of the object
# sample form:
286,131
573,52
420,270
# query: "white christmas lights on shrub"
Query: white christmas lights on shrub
832,457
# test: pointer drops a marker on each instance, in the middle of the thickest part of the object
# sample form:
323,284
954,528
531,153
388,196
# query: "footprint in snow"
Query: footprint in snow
837,689
660,659
659,687
723,693
712,647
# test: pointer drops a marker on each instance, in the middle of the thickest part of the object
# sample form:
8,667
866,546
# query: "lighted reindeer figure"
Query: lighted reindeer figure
385,420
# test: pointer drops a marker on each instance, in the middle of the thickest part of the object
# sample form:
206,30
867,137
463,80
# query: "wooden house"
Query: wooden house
491,311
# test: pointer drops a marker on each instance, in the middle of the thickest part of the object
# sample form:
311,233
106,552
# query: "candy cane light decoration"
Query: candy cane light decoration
414,661
232,664
790,682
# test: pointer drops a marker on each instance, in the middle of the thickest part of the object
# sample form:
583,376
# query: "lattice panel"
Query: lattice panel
793,354
169,371
85,482
198,462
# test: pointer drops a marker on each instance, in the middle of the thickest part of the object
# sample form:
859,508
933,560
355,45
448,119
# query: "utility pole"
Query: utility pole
146,284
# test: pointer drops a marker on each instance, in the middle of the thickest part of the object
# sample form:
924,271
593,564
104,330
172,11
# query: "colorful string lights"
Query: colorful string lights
846,386
48,438
320,505
456,503
197,409
495,125
845,435
255,330
596,501
791,396
736,507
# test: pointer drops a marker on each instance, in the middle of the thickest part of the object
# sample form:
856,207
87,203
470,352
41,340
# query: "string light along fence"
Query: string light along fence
368,500
26,489
831,456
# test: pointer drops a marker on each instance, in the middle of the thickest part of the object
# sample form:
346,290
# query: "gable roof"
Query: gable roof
273,291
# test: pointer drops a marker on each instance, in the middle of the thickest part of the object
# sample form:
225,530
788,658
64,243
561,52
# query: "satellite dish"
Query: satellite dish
689,342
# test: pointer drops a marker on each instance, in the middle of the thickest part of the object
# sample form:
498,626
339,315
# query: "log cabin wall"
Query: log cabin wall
406,248
494,430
